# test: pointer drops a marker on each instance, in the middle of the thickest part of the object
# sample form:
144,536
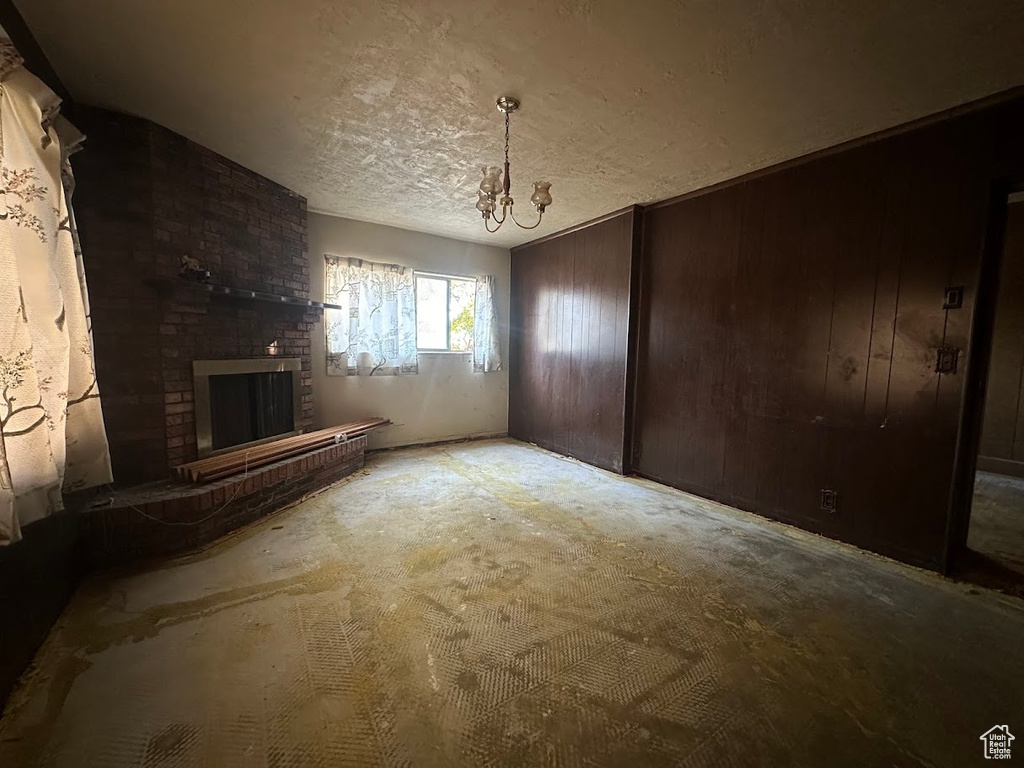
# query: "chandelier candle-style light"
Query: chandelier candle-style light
493,185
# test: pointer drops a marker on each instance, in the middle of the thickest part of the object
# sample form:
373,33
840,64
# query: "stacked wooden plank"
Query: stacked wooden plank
227,464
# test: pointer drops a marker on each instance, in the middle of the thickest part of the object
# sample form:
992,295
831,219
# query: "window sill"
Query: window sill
441,352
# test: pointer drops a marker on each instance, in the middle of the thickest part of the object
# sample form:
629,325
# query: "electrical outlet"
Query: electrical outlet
954,297
946,359
828,500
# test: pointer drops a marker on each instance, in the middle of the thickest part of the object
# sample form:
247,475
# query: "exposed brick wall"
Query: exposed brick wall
251,232
145,197
114,211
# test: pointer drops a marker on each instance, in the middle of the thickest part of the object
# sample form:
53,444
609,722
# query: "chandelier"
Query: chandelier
493,185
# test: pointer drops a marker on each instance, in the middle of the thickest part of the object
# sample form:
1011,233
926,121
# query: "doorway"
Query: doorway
995,535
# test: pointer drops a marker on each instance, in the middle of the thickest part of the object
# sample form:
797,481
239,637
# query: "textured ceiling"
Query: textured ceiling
383,111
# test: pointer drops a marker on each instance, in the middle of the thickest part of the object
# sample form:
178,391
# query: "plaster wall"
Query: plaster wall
445,400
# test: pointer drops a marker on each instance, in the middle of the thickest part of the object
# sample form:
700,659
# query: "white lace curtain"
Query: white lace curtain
486,347
51,427
374,333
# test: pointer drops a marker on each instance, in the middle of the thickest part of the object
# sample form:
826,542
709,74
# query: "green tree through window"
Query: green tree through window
444,313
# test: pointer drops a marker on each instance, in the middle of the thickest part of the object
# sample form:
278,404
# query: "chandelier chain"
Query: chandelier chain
506,139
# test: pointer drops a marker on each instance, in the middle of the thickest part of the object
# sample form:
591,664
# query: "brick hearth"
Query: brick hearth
168,518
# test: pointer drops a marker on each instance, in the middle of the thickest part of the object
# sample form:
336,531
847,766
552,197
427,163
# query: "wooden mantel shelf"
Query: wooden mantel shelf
166,285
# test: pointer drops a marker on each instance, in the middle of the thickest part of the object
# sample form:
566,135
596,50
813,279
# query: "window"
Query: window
444,313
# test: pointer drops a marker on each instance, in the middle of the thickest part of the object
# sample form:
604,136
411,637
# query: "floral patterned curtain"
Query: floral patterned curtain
486,346
374,333
51,427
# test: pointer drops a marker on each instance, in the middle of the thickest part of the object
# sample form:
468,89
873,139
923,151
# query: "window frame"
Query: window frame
447,277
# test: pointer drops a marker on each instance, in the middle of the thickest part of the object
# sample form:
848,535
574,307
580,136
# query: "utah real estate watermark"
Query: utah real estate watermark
997,742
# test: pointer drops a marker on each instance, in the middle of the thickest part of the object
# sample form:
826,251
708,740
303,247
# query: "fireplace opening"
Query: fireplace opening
245,407
245,402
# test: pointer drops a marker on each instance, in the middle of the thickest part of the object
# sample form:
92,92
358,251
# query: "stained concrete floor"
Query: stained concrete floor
491,604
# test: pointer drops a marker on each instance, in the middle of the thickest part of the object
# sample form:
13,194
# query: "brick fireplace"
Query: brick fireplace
146,196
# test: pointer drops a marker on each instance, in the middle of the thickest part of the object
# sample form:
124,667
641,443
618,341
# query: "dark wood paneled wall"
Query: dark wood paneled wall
570,341
38,575
1002,441
790,330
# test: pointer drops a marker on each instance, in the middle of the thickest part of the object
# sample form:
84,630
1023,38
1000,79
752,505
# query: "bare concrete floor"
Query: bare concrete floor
492,604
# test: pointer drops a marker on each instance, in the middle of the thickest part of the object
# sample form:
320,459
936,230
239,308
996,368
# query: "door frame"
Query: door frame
979,357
